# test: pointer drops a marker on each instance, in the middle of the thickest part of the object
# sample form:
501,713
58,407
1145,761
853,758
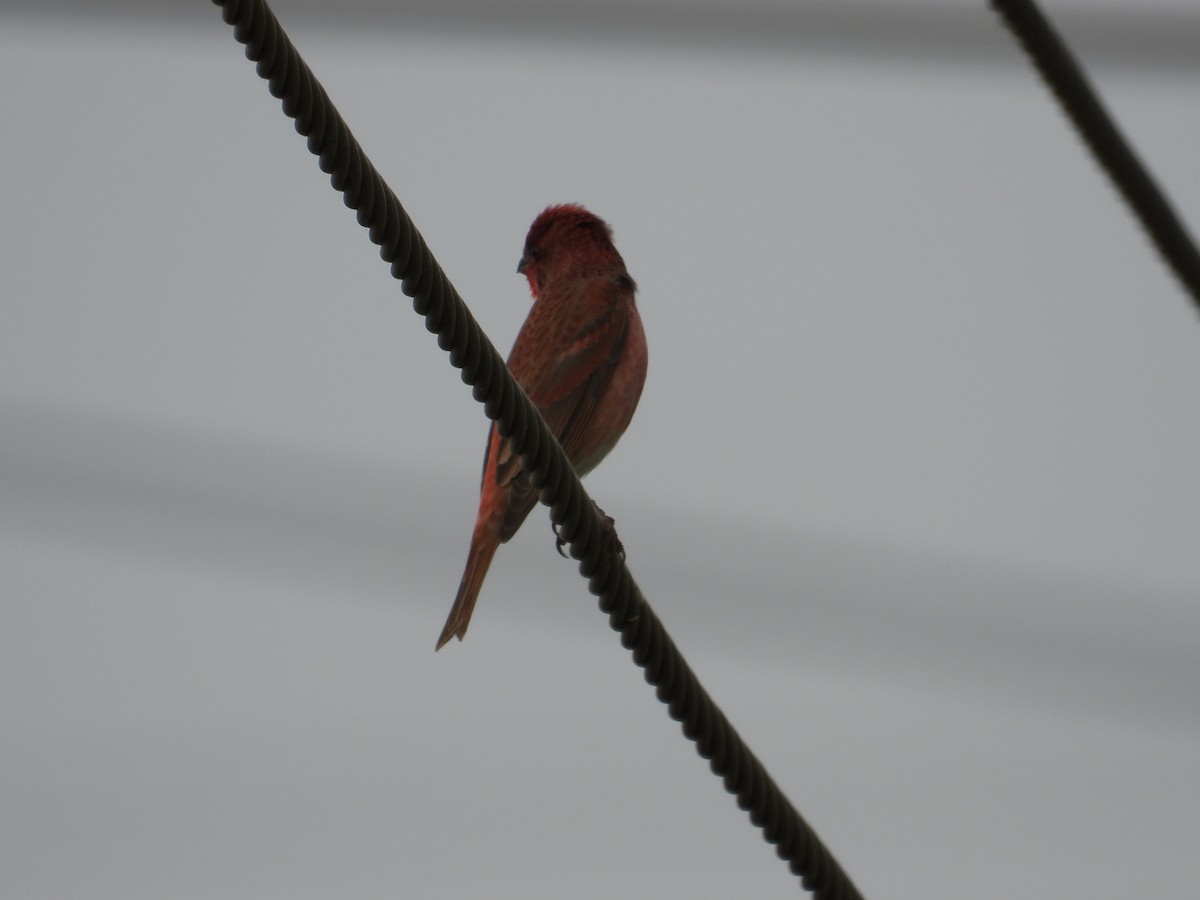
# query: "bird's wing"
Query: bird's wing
571,389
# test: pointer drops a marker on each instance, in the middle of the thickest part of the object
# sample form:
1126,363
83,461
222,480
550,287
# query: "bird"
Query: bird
580,356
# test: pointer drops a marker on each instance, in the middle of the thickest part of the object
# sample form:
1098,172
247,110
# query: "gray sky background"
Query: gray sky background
913,480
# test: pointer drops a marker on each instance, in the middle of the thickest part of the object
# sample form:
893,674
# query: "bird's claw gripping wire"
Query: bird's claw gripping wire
610,535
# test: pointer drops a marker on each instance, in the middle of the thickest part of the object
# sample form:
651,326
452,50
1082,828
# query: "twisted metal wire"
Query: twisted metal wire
1082,106
446,315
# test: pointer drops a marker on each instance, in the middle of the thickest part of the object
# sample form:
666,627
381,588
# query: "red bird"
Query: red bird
581,358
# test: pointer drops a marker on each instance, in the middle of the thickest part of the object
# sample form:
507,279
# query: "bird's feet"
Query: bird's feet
610,535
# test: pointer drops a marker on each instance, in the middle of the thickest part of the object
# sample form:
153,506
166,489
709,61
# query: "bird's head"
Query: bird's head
566,240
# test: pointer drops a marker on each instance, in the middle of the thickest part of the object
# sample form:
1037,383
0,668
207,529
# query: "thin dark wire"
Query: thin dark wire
570,507
1079,101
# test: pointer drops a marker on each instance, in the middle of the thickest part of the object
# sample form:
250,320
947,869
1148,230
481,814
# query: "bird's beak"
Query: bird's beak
523,264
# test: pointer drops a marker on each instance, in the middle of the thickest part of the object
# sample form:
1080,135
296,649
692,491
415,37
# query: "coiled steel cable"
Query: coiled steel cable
446,315
1069,84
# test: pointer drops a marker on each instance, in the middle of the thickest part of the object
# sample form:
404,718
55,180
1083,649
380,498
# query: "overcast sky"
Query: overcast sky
913,480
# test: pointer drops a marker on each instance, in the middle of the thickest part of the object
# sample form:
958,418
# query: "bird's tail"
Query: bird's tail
483,548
